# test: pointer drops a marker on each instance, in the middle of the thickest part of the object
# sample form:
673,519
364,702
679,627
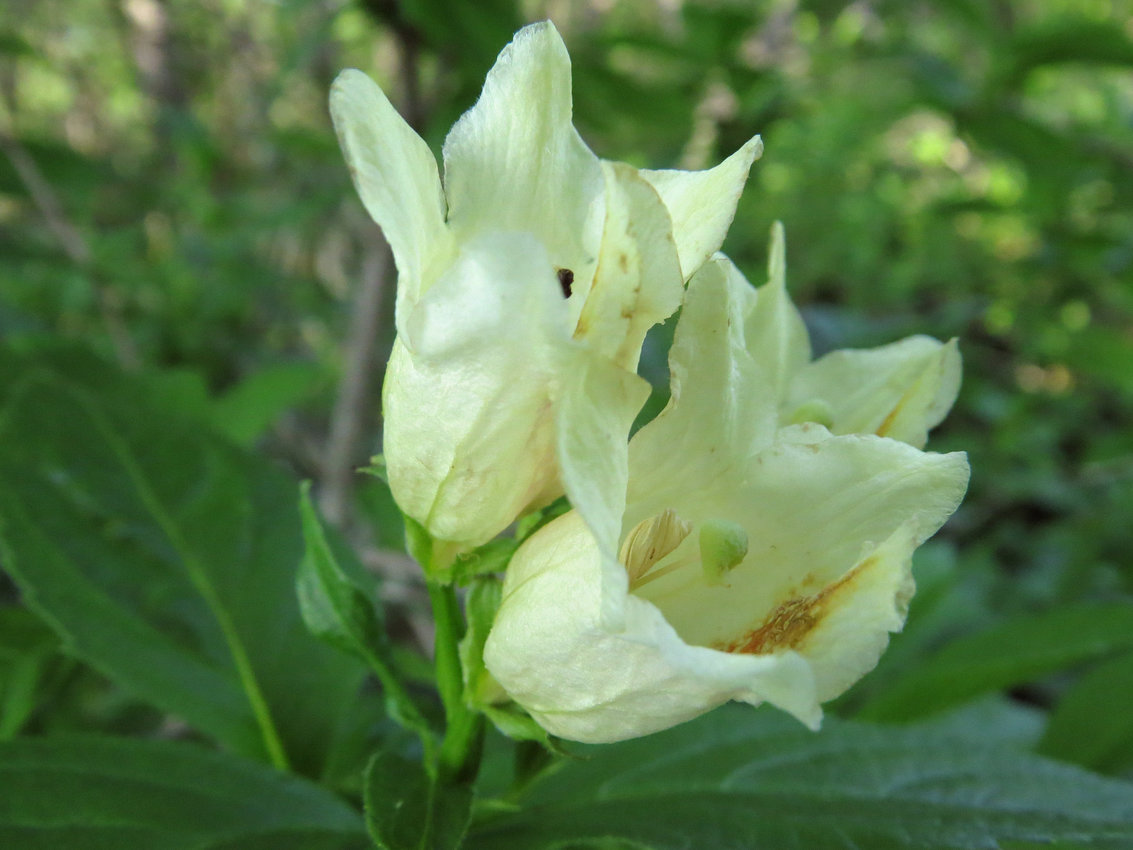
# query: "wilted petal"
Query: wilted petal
899,390
396,177
703,203
515,162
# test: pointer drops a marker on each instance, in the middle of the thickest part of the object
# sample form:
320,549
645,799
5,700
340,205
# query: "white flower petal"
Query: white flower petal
703,203
469,431
396,176
515,162
553,653
719,408
811,505
593,415
899,390
778,338
638,280
855,614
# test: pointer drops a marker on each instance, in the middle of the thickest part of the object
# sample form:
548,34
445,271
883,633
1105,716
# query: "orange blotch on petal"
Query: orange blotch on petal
791,623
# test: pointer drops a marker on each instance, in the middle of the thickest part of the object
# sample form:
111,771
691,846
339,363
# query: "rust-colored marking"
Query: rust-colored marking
790,623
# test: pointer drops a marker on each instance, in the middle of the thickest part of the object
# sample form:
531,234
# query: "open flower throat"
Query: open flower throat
646,549
650,552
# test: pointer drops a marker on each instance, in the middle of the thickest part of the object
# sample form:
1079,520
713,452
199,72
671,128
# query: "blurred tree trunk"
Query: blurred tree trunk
156,57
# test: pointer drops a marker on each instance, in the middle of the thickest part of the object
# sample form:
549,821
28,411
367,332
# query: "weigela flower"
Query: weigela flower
734,555
526,284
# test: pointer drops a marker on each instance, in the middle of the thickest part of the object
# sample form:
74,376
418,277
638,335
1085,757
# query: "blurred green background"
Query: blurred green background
172,197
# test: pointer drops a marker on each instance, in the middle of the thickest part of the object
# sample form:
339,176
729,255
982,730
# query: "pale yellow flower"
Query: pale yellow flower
732,555
526,283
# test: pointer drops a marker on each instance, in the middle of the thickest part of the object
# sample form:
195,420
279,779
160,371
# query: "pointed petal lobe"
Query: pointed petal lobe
899,390
703,203
396,177
515,162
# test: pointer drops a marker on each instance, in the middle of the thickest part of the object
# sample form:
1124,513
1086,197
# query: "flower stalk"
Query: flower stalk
459,756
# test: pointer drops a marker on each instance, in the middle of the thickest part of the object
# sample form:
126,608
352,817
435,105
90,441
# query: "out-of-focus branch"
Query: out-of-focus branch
45,200
154,50
356,391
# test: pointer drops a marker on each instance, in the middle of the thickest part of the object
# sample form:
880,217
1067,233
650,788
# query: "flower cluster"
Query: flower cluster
753,542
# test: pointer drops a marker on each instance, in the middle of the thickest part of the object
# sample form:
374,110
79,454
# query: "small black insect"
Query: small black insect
566,278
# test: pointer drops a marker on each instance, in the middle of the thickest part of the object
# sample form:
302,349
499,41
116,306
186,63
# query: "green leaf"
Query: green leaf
1092,724
406,809
27,647
1077,39
86,793
738,779
338,611
1016,651
166,559
492,557
334,607
247,410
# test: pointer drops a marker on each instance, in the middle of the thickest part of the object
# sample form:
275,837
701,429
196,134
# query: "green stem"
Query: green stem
460,748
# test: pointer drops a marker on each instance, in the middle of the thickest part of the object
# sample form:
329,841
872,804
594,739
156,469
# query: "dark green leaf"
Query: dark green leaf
84,793
406,809
166,559
247,410
738,779
1071,40
338,611
1016,651
26,649
1092,724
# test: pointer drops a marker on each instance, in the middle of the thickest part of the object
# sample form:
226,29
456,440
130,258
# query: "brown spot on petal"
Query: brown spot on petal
790,623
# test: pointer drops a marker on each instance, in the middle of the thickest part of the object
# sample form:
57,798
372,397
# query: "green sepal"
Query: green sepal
480,606
492,557
481,691
528,524
377,468
436,557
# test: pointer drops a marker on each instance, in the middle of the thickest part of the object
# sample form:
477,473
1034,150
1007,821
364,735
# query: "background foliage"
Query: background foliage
194,310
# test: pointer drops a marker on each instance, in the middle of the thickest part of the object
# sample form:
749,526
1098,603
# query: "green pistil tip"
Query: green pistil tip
723,545
816,410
